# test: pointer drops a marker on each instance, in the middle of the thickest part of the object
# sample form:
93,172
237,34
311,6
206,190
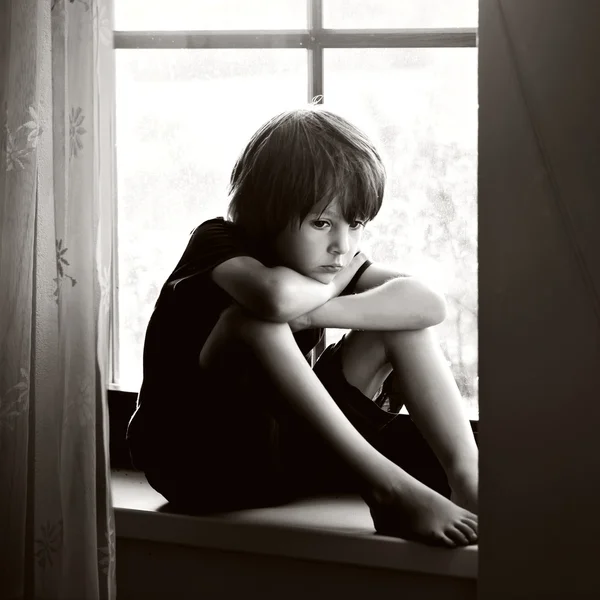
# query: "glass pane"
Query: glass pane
157,15
420,108
399,14
183,116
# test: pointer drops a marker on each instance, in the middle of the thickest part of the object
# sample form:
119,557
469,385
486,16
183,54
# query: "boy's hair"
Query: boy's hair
299,161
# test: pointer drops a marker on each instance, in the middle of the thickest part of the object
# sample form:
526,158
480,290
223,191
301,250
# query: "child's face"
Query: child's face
322,246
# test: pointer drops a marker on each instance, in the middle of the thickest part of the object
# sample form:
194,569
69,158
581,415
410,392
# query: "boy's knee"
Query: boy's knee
235,333
244,327
404,335
224,339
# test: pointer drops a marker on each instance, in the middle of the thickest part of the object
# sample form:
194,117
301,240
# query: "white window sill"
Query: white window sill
334,529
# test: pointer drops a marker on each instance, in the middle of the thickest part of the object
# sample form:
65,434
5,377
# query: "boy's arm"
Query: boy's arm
375,275
278,294
386,301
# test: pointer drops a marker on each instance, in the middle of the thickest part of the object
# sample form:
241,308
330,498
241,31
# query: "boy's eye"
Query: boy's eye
357,224
319,224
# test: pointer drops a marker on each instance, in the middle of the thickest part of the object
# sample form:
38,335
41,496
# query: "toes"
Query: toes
472,523
445,540
470,515
457,536
467,531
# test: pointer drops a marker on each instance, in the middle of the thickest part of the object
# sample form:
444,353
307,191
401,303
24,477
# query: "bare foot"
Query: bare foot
418,513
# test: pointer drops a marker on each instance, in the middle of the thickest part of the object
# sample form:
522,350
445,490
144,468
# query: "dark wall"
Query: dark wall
539,318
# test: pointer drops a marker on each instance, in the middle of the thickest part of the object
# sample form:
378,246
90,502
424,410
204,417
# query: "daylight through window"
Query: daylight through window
195,78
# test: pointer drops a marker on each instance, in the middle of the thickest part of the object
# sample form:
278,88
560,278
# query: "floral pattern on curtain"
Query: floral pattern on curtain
57,534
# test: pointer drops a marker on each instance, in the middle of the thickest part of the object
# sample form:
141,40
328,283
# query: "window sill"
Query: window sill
334,529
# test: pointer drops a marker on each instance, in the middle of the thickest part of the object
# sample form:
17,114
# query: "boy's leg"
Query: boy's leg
228,437
400,504
315,467
396,437
431,396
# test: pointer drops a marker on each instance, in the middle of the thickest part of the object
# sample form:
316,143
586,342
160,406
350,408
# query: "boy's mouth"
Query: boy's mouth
331,268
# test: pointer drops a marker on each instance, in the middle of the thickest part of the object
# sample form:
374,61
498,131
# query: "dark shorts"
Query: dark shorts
257,453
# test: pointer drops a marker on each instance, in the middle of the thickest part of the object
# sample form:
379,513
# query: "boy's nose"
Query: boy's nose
341,243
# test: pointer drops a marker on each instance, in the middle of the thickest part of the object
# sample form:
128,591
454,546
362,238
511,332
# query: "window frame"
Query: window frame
315,39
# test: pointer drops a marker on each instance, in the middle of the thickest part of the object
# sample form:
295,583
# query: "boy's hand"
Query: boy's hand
337,286
344,277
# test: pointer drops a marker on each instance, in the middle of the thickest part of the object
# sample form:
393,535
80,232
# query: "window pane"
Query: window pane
155,15
183,116
399,14
420,107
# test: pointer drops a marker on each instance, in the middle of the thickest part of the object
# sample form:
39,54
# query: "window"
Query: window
196,78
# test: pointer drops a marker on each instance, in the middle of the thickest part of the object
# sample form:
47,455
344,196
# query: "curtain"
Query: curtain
57,536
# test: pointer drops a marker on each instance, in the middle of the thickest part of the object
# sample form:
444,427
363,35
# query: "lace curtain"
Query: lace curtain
57,536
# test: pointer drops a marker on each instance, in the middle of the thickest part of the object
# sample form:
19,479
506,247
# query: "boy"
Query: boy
230,413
